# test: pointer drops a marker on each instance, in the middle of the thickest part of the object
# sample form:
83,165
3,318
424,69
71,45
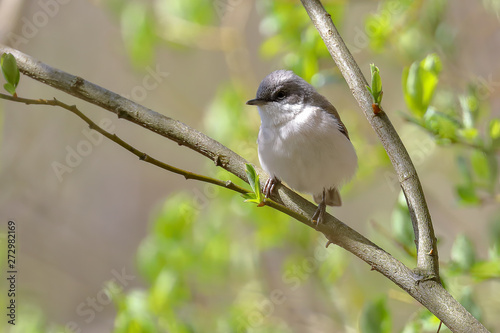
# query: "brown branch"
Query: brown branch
336,231
408,178
436,299
113,137
288,201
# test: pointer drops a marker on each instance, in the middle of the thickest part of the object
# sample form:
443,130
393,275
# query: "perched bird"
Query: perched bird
302,140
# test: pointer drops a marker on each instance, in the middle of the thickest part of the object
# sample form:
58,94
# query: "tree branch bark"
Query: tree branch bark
427,254
423,290
113,137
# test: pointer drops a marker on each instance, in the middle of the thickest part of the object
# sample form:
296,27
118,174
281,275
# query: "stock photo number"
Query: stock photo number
11,272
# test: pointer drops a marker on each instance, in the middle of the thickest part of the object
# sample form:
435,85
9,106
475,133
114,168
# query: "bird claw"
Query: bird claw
318,215
268,188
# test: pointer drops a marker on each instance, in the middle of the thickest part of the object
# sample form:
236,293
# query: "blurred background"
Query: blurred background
107,243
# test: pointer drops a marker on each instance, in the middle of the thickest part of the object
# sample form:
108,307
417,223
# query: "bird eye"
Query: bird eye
280,95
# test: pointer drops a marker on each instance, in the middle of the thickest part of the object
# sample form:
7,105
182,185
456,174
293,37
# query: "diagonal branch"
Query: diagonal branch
436,299
113,137
427,291
427,255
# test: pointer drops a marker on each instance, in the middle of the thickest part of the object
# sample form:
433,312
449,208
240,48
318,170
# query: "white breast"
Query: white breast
305,149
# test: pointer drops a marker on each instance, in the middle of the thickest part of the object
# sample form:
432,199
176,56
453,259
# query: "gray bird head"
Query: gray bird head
283,95
283,87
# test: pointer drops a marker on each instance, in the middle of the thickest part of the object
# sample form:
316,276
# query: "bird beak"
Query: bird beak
256,101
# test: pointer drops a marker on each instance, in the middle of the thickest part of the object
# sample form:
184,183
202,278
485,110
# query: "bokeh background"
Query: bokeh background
115,244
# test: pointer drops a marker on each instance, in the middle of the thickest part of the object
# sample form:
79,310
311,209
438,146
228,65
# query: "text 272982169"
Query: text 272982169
11,272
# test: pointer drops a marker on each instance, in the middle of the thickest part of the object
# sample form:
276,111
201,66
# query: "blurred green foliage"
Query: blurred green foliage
409,29
212,263
291,36
458,122
375,317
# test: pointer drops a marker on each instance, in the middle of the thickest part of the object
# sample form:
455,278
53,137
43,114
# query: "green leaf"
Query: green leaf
419,83
431,66
484,270
441,124
469,134
412,89
480,164
9,88
375,317
10,72
463,253
494,132
467,194
376,88
469,105
163,291
253,180
494,128
252,177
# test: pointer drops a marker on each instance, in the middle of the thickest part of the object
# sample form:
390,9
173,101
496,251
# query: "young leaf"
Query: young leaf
376,88
10,72
419,83
10,88
412,89
431,66
253,180
441,124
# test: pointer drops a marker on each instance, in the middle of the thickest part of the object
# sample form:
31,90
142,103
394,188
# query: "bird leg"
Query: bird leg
318,215
268,188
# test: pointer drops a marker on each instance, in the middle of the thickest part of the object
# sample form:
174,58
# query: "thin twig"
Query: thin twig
113,137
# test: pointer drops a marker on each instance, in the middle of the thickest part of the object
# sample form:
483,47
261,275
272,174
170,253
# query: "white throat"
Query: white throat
278,115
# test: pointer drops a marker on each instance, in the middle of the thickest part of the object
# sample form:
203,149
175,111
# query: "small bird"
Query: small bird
302,140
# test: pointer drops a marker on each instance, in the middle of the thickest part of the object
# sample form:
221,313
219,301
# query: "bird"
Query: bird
302,140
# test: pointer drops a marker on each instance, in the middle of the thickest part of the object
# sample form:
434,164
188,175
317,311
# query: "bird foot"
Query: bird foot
318,215
268,188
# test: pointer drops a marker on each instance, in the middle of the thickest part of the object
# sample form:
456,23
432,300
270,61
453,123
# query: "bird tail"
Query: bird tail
332,197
